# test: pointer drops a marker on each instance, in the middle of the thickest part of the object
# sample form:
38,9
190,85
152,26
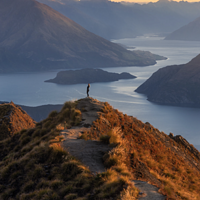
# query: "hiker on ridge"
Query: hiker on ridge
88,89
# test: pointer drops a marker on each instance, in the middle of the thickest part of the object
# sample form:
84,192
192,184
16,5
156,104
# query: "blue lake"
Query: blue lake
31,90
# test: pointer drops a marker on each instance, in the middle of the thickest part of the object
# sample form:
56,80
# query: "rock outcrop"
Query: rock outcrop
182,141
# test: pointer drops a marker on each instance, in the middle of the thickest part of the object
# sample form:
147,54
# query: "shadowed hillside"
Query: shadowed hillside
35,37
175,85
189,32
33,164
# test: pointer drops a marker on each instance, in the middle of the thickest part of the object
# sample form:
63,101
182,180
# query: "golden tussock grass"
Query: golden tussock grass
140,143
34,166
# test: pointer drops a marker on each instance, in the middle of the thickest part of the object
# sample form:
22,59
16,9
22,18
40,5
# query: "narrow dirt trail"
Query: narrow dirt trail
148,191
90,152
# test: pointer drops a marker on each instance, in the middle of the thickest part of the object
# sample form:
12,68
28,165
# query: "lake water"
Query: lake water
31,90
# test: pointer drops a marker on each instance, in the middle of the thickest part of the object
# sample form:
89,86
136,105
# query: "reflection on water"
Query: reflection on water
30,89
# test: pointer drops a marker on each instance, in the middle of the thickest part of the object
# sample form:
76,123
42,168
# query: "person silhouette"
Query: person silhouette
88,89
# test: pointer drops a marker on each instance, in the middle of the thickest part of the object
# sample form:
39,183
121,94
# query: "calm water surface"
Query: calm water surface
31,90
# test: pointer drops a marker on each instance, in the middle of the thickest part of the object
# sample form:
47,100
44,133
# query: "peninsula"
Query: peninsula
176,85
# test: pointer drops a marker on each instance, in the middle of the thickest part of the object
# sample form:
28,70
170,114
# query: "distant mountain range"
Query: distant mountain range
189,32
113,20
177,85
39,113
33,37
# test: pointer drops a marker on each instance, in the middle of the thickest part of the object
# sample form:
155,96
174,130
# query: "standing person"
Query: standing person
88,89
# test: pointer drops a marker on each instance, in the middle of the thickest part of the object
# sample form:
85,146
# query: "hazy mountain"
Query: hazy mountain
175,85
33,36
113,20
38,113
190,32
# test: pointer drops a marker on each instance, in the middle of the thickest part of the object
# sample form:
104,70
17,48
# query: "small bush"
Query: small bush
112,137
53,114
131,193
66,189
25,140
66,114
25,196
67,105
36,133
70,169
45,192
28,186
57,155
37,173
11,167
23,134
16,174
42,184
55,184
70,197
47,124
105,139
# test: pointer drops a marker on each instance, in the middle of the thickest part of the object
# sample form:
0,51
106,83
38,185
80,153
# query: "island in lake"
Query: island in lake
88,76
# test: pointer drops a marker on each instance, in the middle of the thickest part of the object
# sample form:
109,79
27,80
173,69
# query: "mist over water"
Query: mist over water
31,90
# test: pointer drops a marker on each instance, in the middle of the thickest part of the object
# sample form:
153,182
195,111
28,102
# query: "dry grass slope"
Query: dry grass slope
34,166
13,119
148,154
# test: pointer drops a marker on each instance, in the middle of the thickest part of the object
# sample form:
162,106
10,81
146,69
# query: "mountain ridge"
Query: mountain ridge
113,20
44,39
38,165
189,32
